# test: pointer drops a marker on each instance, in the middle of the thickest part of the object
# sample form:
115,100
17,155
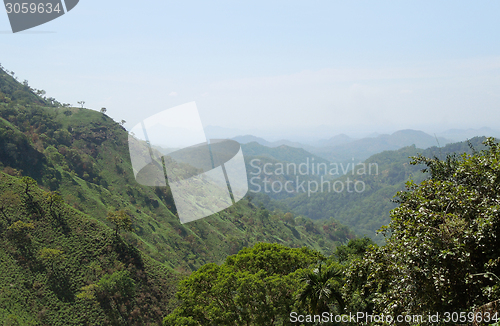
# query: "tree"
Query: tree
444,232
19,231
322,287
51,257
289,219
28,184
121,220
119,282
123,122
81,103
257,286
355,248
103,110
54,199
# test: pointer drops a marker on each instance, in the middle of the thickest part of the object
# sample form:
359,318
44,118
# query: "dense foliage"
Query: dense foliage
443,252
442,255
61,267
258,286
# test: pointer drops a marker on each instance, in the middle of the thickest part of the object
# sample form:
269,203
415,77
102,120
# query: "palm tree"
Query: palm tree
320,289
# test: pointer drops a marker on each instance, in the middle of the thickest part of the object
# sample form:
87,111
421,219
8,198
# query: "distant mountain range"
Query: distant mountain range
249,139
361,149
366,211
342,148
464,134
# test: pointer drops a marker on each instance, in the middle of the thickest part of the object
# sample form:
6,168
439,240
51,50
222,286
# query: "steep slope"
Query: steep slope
84,155
13,92
57,266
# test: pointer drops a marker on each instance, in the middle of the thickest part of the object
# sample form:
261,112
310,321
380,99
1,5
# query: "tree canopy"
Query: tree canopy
441,236
258,286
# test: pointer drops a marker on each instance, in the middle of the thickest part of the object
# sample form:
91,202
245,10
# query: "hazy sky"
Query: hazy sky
350,65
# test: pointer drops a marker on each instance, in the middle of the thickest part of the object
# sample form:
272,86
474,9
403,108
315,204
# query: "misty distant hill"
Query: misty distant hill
363,148
337,140
249,138
464,134
343,148
366,211
281,153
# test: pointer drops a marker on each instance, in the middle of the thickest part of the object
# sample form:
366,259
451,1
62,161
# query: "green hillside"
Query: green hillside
13,92
62,267
365,212
83,155
280,172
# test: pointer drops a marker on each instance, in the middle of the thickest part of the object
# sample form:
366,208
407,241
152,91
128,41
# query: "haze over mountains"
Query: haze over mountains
363,211
342,148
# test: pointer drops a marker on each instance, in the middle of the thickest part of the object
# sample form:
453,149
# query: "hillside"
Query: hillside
366,211
278,172
281,153
57,265
247,139
83,154
13,92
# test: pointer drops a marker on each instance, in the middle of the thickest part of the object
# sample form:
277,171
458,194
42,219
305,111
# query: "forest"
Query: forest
84,244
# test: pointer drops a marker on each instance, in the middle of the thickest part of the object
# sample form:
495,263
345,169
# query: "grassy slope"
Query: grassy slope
36,292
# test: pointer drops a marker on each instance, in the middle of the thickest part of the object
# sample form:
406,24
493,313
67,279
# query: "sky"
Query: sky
280,69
